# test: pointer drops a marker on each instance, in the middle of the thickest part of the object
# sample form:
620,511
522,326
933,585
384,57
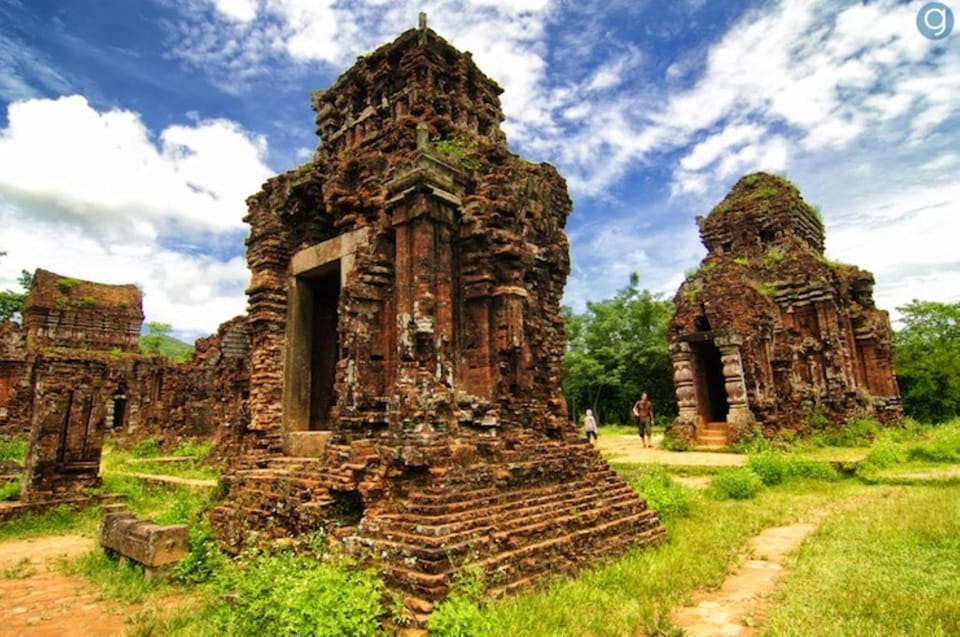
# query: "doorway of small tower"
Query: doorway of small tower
712,404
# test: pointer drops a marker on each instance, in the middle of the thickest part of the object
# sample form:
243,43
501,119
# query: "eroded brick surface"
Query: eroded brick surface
770,330
404,309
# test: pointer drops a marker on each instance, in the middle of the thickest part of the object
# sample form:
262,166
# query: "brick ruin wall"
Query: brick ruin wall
797,334
507,251
66,312
415,267
14,385
140,396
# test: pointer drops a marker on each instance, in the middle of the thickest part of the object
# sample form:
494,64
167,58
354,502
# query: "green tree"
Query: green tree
11,303
153,340
615,350
927,360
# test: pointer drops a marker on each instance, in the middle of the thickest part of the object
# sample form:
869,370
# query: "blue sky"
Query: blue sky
131,131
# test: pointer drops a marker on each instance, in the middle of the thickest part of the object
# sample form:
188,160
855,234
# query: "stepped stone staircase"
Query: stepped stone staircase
713,435
518,514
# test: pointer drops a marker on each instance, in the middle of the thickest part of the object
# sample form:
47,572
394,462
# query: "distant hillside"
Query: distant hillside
168,346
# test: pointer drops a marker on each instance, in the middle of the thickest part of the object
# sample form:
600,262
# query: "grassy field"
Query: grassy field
892,568
885,562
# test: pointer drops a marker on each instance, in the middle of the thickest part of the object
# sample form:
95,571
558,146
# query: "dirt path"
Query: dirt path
740,604
37,601
621,448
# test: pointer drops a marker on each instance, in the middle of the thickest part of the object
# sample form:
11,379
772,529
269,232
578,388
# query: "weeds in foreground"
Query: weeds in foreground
21,570
288,594
10,490
119,579
668,498
57,521
14,449
736,484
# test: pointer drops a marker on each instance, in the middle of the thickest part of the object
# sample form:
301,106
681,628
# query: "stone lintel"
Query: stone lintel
510,290
321,254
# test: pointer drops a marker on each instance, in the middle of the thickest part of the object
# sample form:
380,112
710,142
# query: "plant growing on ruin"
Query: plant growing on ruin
67,284
146,448
457,149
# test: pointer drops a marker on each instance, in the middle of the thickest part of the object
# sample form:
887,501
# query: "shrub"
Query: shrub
662,494
801,468
146,448
857,432
945,447
10,490
750,439
673,442
15,449
65,285
204,559
772,468
193,448
886,453
459,614
735,484
288,594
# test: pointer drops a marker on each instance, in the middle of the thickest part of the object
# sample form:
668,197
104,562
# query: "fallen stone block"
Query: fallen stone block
142,541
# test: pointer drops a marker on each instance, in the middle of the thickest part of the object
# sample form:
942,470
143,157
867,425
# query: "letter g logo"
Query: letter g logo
935,20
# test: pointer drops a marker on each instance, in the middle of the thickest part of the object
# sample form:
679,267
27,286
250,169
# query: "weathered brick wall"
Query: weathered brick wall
479,342
809,335
13,381
67,312
203,398
69,420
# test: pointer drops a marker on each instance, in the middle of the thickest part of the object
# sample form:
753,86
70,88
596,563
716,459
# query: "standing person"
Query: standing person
643,416
590,425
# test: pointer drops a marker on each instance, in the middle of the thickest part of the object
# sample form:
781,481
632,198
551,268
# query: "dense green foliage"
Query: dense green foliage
927,360
616,350
14,449
735,484
288,594
662,493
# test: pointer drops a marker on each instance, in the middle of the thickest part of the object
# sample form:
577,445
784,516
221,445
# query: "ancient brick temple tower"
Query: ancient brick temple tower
769,330
407,342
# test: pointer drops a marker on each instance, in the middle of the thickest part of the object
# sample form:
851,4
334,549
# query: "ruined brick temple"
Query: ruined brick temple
73,373
406,342
769,330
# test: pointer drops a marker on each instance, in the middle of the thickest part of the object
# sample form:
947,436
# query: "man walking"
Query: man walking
643,416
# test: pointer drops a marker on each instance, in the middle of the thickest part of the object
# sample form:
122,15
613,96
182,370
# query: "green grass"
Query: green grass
116,460
60,520
892,568
118,579
162,504
640,590
10,490
14,449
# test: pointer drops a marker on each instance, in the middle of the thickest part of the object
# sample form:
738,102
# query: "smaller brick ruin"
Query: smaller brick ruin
768,330
406,343
74,373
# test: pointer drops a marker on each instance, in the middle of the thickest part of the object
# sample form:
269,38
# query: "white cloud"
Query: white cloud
104,168
97,195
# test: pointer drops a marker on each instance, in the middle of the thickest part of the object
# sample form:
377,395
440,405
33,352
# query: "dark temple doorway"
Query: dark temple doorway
324,290
711,387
